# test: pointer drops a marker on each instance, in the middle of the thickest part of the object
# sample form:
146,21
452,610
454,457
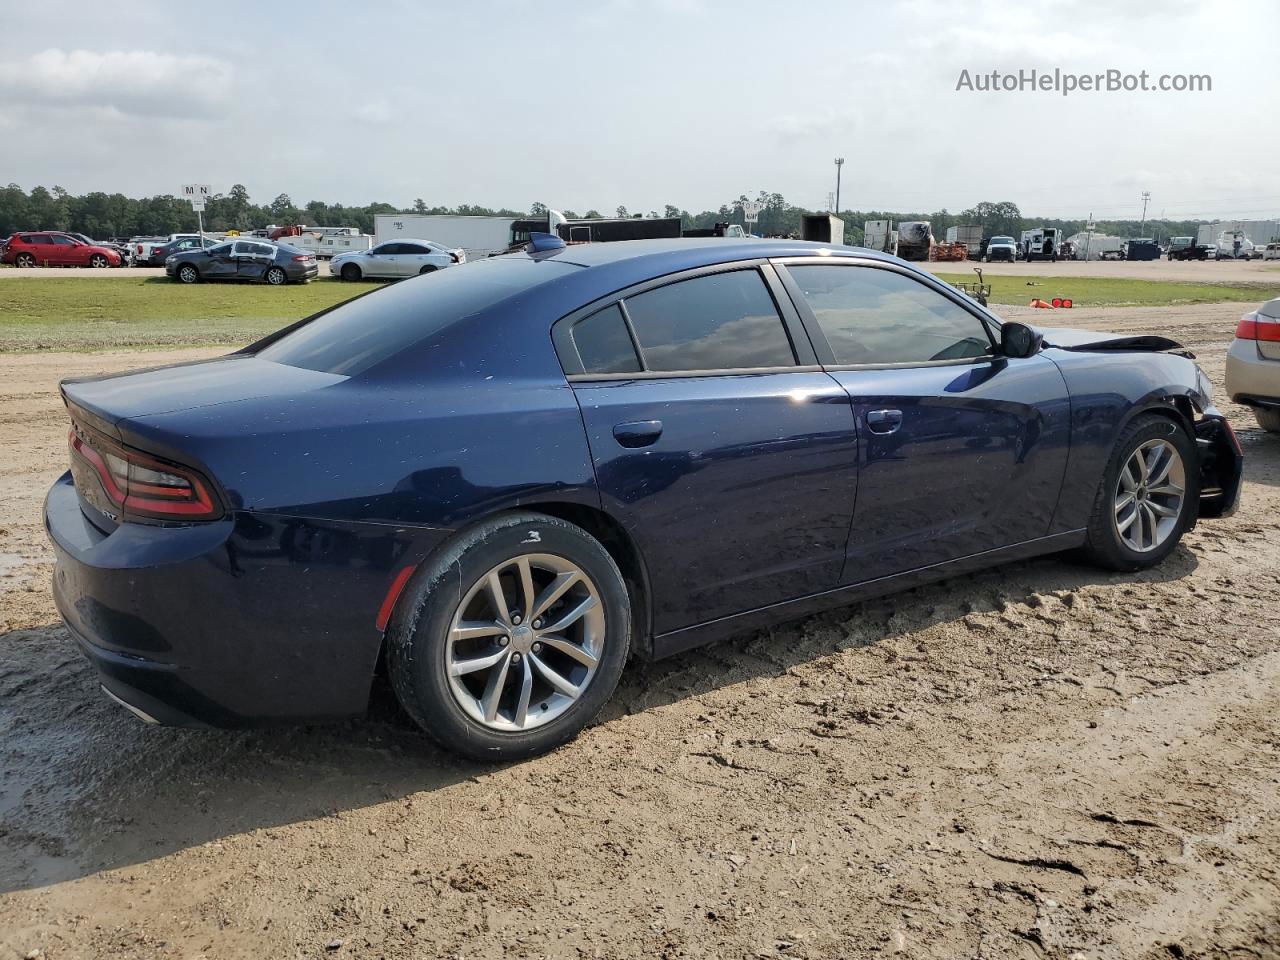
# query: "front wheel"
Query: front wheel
98,261
350,272
1268,419
511,641
276,276
188,274
1148,496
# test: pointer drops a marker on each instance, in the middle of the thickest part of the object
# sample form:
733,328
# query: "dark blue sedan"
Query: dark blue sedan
501,481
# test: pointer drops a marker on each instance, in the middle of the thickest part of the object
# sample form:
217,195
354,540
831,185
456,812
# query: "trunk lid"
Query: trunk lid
201,383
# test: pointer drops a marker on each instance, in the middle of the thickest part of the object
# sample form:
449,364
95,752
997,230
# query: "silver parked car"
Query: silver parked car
395,259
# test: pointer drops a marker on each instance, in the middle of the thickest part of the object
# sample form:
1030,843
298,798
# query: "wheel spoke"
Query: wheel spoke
554,591
493,689
1169,489
1124,501
1143,469
498,598
573,616
1127,479
1161,510
1148,527
472,629
1124,525
558,682
581,654
1162,470
526,691
526,587
460,668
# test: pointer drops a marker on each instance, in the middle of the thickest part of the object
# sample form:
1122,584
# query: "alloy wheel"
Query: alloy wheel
25,260
188,274
525,642
275,276
1149,495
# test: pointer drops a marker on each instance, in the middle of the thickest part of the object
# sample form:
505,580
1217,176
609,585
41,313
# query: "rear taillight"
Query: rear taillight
454,258
302,259
1254,326
139,248
141,486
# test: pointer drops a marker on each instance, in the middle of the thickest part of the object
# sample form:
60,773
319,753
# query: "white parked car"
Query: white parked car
395,259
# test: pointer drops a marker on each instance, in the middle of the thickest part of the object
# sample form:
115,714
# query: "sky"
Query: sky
586,104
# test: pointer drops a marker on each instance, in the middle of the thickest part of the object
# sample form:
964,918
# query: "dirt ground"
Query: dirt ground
1040,760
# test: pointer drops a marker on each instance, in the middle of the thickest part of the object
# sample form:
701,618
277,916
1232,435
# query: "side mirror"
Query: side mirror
1019,340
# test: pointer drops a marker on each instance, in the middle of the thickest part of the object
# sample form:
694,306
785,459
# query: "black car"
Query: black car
163,251
243,259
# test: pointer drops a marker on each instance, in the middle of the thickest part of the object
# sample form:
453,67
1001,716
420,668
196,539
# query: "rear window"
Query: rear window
722,321
363,332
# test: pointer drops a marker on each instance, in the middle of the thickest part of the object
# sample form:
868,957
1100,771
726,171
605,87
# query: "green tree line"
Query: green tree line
102,215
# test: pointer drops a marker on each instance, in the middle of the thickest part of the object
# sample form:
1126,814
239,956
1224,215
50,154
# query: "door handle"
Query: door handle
637,433
884,421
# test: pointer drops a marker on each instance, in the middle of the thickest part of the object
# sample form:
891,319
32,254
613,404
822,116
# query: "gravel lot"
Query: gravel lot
1036,761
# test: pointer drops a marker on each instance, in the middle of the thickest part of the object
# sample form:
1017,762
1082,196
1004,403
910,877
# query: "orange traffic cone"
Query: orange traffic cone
1037,302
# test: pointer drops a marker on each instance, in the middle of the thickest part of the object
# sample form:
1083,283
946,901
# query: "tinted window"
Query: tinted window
603,343
722,321
368,330
63,241
879,316
46,241
221,250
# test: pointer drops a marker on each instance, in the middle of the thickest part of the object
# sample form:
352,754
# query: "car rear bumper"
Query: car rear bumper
244,621
1252,378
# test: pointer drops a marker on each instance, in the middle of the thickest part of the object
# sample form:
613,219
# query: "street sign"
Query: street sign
196,194
751,210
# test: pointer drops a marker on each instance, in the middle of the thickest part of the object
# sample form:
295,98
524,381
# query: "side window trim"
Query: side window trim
802,344
826,356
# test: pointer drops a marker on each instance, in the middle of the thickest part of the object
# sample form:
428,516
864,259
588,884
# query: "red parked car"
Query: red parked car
46,248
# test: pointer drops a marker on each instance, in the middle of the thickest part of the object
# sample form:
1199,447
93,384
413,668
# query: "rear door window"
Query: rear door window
603,344
719,321
870,316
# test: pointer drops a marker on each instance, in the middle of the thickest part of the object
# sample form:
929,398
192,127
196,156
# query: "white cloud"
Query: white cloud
139,82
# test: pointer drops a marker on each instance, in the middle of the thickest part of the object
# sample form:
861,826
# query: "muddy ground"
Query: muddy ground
1036,761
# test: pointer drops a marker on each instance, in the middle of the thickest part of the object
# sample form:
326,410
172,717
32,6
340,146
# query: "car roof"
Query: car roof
697,250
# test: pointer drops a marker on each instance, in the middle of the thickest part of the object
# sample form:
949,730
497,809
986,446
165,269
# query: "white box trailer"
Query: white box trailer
880,235
327,242
478,236
1095,246
970,236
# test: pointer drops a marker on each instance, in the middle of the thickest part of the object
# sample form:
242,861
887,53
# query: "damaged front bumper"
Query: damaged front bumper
1221,465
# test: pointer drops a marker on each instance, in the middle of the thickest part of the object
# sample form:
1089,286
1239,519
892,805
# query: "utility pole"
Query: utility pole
839,164
1146,198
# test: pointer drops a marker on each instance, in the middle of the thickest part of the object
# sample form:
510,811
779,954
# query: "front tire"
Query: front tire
1148,497
350,272
1268,420
276,277
513,639
188,274
98,261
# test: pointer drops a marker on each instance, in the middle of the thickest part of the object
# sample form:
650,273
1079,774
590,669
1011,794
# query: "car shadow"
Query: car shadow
85,787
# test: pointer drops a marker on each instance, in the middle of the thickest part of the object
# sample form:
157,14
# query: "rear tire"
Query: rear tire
1268,420
429,268
24,260
276,277
528,689
1139,534
350,272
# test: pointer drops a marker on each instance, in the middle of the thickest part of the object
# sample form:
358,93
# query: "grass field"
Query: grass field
1118,291
83,313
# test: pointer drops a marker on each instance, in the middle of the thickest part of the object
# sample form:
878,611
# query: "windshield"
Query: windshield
1002,239
362,332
